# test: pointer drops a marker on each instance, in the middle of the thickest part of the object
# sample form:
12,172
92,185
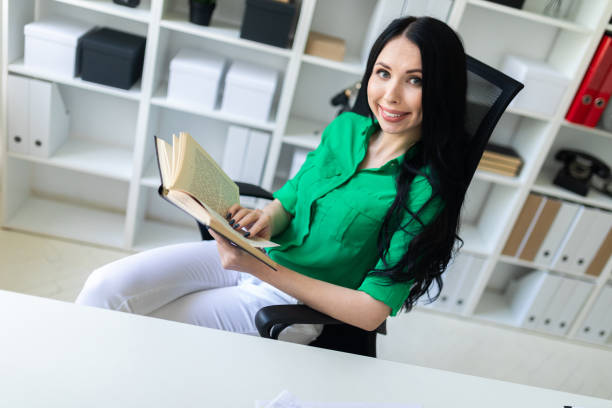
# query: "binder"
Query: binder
529,296
555,234
528,212
595,327
567,258
592,81
602,96
235,151
452,278
298,159
540,229
257,147
48,118
552,311
570,306
470,275
591,242
601,257
18,117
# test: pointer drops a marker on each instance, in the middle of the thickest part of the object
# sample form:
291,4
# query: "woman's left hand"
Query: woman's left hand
232,257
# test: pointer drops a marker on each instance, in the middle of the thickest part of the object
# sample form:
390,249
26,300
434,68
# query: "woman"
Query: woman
365,226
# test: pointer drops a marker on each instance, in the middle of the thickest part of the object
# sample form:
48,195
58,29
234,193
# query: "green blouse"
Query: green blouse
338,211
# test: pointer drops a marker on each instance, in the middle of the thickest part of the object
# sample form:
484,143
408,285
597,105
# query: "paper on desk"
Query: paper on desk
286,400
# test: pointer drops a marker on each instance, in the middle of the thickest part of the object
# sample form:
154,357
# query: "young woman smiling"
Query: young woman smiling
366,225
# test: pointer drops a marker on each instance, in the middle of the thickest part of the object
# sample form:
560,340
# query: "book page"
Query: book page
199,175
164,152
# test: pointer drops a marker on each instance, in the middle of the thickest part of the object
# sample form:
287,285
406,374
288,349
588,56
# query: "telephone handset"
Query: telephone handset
578,169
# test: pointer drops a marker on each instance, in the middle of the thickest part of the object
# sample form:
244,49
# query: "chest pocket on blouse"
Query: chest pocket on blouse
356,227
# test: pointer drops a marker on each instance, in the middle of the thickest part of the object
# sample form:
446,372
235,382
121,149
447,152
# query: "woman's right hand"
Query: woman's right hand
256,222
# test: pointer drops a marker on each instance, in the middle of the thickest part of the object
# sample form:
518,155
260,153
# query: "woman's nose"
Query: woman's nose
392,93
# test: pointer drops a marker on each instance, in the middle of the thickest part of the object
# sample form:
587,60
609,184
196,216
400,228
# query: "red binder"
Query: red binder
600,101
592,81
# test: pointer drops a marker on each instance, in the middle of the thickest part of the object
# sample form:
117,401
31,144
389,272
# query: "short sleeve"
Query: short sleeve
382,288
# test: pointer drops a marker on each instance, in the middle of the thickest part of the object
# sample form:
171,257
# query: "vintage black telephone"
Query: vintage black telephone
578,171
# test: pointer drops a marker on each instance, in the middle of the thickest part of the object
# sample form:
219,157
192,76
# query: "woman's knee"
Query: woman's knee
100,290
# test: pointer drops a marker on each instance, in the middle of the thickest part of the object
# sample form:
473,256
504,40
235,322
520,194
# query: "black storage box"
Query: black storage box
268,21
111,57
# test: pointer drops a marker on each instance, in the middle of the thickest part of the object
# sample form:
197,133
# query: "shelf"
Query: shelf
493,307
154,234
141,13
473,241
219,31
150,177
160,99
543,185
303,133
587,129
88,157
49,217
527,114
528,264
527,15
18,67
497,178
350,66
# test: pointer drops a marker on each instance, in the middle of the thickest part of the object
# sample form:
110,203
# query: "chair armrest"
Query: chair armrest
272,320
252,190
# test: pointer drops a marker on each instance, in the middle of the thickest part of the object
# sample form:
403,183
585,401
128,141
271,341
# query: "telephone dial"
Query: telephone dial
582,170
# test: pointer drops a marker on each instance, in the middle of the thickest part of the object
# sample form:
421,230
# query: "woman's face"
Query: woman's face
394,88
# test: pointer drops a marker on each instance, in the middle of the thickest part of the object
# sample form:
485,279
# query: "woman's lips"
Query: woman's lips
391,115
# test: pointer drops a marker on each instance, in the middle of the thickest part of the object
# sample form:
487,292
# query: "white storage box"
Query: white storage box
195,78
544,87
51,44
249,90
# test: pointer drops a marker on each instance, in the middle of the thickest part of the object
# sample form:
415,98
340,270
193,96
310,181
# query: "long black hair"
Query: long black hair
443,143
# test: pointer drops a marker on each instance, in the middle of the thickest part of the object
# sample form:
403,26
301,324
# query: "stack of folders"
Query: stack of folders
458,281
598,323
244,157
594,92
562,236
500,159
546,302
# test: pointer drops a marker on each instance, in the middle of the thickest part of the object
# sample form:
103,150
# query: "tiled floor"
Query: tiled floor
57,269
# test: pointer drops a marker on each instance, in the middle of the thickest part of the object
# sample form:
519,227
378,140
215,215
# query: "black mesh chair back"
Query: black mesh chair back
489,93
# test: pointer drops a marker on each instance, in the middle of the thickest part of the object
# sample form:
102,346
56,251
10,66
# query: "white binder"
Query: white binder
529,296
597,325
48,118
570,306
384,12
18,118
235,151
255,156
556,233
298,159
470,277
452,278
579,232
552,312
591,242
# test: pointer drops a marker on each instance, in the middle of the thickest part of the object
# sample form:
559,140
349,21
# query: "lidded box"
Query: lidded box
52,44
195,78
544,86
249,90
111,57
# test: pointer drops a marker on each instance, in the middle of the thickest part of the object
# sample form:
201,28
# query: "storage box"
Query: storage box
111,57
544,87
195,78
325,46
269,22
52,44
249,90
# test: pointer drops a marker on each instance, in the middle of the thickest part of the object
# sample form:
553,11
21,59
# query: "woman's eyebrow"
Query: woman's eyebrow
410,71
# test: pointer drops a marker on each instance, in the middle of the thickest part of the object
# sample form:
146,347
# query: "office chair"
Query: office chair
489,92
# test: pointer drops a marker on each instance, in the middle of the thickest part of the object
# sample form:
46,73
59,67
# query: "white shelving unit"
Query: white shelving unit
101,186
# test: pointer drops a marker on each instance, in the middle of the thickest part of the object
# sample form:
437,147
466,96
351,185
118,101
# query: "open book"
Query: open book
191,180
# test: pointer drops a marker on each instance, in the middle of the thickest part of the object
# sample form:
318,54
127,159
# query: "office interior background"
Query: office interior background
89,194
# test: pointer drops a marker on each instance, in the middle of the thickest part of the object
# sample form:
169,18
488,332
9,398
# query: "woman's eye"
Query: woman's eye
382,73
415,81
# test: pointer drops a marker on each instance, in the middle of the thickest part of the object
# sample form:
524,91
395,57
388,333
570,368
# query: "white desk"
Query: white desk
56,354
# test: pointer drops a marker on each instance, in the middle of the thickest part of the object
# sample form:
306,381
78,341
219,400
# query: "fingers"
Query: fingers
232,211
260,228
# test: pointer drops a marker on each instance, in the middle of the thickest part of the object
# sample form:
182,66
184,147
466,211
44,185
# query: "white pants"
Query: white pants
186,283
